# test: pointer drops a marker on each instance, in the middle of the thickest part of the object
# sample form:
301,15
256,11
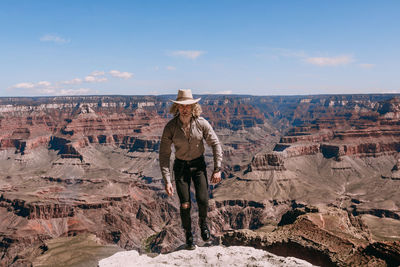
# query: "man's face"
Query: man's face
185,110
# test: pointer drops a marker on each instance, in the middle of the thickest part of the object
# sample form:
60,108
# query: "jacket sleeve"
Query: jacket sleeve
165,154
212,141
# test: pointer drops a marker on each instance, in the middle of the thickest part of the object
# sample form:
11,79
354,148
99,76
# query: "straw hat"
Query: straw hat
185,97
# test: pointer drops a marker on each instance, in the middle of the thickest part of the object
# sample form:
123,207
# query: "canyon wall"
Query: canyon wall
89,165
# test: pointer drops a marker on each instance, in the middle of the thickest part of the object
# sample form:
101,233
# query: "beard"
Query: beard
185,116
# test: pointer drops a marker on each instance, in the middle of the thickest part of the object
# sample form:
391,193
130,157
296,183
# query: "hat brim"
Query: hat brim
186,102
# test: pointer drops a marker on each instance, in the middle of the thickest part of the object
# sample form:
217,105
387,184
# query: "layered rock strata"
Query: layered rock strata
78,165
314,237
371,133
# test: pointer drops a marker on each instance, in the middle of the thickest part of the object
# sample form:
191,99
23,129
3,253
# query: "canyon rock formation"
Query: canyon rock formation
217,256
314,177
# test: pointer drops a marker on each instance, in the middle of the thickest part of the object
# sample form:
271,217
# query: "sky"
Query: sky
257,47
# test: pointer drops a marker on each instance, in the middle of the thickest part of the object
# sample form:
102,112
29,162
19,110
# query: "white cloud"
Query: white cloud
53,38
95,79
97,73
170,68
156,68
190,54
329,61
80,91
64,87
55,90
277,53
23,85
119,74
227,92
366,65
31,85
73,81
44,83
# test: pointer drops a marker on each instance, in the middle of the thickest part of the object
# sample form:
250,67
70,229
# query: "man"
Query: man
186,131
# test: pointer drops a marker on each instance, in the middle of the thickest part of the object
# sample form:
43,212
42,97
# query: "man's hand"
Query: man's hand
169,189
216,177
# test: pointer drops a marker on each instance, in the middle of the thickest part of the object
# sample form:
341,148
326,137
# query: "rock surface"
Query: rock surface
204,256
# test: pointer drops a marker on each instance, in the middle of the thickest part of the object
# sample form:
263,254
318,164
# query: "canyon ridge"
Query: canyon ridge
312,177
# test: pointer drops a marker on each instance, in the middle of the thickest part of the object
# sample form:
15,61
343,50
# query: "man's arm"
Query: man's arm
164,158
213,141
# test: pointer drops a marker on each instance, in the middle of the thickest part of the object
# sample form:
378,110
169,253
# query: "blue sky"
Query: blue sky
229,47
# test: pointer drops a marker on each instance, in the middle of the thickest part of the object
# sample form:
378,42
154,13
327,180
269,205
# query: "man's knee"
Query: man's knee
185,205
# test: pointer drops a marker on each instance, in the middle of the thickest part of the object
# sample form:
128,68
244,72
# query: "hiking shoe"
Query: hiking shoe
205,231
189,241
